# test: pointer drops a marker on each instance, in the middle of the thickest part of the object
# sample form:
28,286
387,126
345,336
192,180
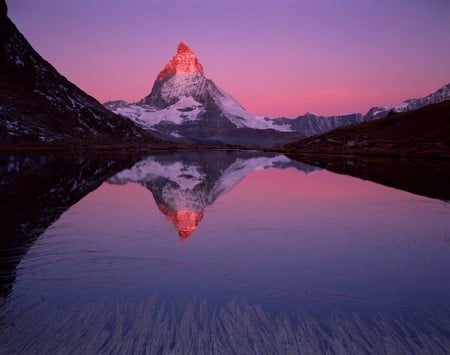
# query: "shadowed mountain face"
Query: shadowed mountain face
40,106
185,184
35,189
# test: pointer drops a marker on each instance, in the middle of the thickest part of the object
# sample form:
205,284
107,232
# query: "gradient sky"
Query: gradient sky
277,58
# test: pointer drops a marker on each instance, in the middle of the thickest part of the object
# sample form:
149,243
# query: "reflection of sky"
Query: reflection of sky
277,57
279,236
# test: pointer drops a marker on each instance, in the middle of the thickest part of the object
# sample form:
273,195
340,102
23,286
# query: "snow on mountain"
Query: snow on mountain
440,95
183,102
184,185
182,83
182,94
310,123
184,110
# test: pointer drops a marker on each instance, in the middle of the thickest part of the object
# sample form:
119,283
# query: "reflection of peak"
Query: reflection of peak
184,184
185,221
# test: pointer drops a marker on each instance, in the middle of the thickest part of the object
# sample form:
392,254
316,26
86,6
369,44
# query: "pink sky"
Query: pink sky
277,58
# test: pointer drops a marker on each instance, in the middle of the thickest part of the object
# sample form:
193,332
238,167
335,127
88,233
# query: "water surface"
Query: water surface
216,252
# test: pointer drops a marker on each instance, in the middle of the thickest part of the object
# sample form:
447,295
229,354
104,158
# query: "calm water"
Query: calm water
216,252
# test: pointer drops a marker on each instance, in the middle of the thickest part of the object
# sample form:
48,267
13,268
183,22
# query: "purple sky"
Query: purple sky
278,58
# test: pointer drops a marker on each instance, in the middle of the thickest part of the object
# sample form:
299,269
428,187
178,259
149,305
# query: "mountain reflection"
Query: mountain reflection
185,184
344,272
36,189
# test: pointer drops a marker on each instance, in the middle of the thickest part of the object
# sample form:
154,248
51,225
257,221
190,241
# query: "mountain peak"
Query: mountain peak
183,47
184,62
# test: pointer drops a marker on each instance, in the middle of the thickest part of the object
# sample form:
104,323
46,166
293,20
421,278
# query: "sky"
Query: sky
277,58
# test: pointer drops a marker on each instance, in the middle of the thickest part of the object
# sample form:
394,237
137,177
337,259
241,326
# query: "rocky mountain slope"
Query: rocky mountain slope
183,103
424,132
39,106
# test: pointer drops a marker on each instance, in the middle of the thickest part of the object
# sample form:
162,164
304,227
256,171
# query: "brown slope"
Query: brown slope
420,133
38,106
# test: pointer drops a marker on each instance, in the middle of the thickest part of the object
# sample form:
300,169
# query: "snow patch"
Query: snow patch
241,118
185,109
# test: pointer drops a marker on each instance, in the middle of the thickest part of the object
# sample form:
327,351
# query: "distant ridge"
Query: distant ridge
310,124
421,133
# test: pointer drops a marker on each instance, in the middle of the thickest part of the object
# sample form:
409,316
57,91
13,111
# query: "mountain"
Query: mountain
424,132
37,188
185,184
40,106
440,95
311,124
184,104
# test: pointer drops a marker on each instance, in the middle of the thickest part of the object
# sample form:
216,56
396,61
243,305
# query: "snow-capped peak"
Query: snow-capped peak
440,95
184,62
185,104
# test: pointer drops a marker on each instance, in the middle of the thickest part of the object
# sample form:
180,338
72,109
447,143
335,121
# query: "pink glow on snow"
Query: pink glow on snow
277,58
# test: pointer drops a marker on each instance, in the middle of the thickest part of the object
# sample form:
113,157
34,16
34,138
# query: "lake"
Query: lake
218,252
